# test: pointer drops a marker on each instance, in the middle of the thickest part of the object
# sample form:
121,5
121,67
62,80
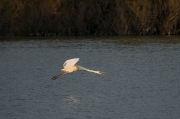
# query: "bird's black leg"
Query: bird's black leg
55,77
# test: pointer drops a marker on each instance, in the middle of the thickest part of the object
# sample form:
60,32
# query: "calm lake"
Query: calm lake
141,81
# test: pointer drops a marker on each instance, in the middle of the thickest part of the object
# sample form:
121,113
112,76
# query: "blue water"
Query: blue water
141,81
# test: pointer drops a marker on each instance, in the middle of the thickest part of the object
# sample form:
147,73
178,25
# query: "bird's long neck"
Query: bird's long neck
89,70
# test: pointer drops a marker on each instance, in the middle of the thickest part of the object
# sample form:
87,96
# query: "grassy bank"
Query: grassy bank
89,17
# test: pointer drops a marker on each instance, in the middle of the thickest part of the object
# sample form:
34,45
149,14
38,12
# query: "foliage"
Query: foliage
89,17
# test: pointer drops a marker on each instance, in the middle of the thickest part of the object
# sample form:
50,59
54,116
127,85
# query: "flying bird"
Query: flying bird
70,66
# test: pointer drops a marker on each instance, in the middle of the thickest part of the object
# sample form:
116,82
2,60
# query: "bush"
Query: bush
89,17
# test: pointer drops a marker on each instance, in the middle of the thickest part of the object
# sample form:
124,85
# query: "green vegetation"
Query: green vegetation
89,17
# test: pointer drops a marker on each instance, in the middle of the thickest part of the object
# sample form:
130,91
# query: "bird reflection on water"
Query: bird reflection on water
73,98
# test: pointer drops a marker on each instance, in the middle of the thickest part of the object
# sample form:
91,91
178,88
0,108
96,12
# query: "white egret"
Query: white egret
70,66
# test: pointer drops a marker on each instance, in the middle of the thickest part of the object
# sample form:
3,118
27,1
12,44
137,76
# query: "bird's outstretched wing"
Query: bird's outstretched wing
70,63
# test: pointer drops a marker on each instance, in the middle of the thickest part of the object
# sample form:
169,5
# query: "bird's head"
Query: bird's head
101,73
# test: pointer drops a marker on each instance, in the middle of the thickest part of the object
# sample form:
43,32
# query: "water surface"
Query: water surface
141,80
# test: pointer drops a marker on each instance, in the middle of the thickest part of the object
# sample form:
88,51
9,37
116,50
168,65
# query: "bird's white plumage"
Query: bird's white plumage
70,63
69,67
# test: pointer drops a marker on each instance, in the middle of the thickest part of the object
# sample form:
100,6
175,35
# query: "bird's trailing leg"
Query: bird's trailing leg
55,77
